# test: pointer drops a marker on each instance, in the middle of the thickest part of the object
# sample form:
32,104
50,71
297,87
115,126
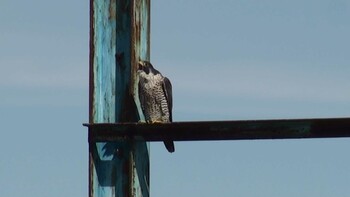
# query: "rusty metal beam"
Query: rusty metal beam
222,130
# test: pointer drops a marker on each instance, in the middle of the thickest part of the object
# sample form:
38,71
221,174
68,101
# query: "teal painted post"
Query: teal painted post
119,38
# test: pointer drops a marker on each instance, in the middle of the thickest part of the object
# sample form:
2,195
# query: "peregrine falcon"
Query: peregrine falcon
155,93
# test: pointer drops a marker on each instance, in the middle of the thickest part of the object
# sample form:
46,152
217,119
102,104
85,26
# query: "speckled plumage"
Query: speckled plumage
155,94
153,99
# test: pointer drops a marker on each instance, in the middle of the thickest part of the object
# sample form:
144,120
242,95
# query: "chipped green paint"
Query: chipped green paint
119,38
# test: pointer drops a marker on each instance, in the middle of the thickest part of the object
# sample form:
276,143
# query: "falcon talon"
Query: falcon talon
156,122
155,94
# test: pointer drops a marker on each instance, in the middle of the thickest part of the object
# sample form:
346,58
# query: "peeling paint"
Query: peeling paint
115,167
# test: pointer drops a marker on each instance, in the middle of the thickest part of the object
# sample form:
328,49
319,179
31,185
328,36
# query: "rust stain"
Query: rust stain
91,61
91,174
112,10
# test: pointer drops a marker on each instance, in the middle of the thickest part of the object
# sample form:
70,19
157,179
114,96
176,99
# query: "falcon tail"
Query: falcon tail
169,145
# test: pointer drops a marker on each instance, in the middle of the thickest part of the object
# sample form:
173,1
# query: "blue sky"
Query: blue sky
227,60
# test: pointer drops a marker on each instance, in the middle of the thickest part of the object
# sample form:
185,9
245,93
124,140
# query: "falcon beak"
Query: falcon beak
141,65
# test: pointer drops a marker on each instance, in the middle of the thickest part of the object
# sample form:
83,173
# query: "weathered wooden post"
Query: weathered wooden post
119,38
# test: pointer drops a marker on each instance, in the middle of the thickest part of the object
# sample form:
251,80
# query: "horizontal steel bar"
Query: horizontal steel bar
221,130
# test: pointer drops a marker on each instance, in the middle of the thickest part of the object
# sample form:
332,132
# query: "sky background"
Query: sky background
227,60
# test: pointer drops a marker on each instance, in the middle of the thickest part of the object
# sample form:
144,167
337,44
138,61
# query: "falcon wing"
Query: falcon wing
167,89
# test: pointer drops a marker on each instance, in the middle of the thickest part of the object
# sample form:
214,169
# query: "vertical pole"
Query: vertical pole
119,38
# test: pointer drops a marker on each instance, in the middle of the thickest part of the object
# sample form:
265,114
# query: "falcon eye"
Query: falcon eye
140,67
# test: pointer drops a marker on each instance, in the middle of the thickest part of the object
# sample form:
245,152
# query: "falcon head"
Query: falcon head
146,68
